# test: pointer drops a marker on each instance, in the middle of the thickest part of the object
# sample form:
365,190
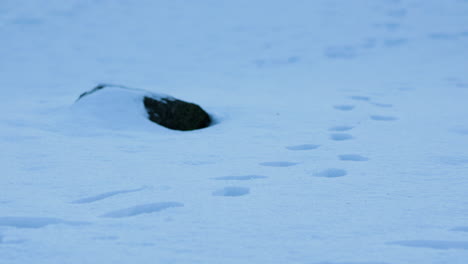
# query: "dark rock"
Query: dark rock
176,114
165,110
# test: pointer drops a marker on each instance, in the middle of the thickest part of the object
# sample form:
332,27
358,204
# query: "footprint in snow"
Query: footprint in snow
360,98
453,160
106,238
340,136
460,229
443,36
460,131
344,107
352,157
240,178
341,52
142,209
303,147
105,195
406,89
388,26
331,173
397,13
383,105
395,42
278,164
232,191
35,222
340,128
433,244
12,242
383,118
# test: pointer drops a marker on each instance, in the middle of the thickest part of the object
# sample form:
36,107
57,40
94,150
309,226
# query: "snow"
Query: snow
114,107
340,136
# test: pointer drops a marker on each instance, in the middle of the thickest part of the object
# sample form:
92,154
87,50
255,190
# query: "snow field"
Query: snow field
341,132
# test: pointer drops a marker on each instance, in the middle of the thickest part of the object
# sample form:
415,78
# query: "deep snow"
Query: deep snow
341,134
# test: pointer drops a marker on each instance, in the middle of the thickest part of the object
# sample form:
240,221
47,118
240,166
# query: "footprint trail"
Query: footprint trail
383,118
360,98
383,105
433,244
344,107
303,147
353,157
232,191
460,229
240,178
142,209
340,136
278,164
35,222
104,196
331,173
340,128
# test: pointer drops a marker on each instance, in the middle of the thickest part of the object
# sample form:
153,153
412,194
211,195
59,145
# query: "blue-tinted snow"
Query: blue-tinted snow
366,98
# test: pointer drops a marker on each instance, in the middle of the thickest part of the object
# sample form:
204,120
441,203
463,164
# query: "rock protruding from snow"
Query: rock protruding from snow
162,109
176,114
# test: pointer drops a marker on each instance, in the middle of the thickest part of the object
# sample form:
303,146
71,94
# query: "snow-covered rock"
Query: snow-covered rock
122,104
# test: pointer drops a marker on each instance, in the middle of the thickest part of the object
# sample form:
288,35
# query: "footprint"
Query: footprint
340,128
104,196
460,130
260,63
240,178
27,21
12,242
278,164
369,43
232,191
383,105
142,209
394,42
352,157
293,59
383,118
360,98
105,237
453,160
331,173
340,136
406,89
198,163
303,147
35,222
389,26
341,52
443,36
434,244
460,229
397,13
344,107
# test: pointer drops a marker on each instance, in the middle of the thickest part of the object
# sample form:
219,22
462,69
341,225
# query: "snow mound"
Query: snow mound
113,108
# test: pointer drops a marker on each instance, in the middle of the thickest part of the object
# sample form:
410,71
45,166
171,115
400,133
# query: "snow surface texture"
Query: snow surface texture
341,135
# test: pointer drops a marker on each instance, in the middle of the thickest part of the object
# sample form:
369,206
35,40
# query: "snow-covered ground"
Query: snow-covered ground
341,135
